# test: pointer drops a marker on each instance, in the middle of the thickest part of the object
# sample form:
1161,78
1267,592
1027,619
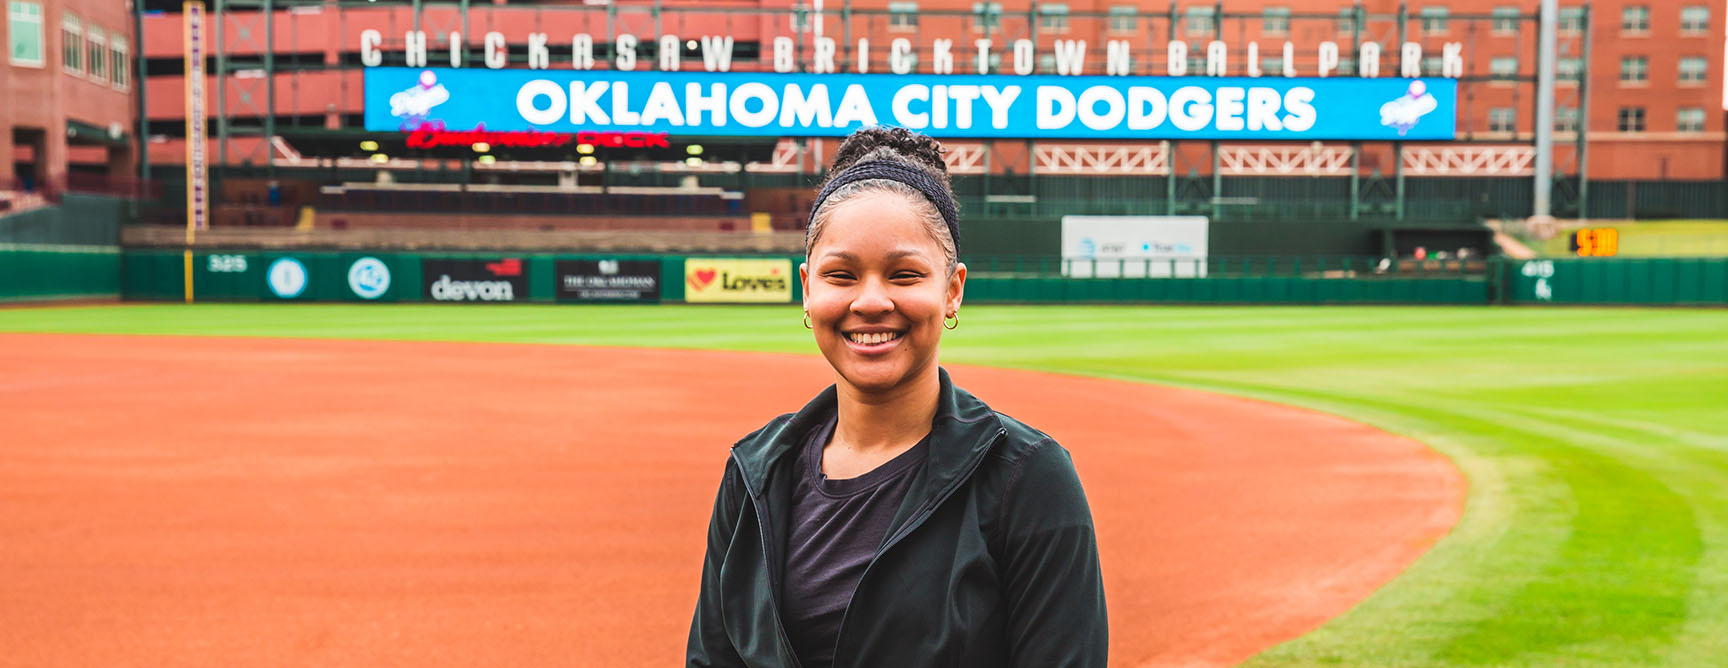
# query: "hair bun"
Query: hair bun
918,149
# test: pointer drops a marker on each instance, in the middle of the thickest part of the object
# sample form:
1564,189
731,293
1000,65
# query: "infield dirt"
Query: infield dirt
211,501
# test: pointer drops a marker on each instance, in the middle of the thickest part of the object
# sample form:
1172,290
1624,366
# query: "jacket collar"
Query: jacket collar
961,433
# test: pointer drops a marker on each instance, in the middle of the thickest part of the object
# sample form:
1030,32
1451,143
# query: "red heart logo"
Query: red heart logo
701,278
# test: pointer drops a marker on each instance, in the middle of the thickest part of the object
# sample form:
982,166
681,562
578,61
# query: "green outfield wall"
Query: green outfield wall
69,250
33,272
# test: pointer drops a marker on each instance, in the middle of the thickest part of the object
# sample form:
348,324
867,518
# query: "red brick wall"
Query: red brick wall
44,97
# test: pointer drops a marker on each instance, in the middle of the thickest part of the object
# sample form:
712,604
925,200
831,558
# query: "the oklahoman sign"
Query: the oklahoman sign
1043,106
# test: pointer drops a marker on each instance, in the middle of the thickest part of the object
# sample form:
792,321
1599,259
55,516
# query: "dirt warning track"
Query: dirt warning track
267,502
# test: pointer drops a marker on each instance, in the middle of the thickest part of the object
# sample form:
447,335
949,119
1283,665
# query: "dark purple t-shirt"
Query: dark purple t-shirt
836,527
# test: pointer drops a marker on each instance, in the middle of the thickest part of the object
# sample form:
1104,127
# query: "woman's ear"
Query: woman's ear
804,281
956,287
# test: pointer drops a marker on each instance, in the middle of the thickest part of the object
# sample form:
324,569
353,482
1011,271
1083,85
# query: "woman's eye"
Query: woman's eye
908,274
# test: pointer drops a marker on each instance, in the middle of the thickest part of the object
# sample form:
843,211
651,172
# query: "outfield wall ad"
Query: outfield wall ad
980,106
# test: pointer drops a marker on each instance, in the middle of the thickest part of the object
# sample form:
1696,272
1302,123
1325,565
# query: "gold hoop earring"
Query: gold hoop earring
807,320
956,318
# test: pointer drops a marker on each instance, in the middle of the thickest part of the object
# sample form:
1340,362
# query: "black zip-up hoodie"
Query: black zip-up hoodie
991,560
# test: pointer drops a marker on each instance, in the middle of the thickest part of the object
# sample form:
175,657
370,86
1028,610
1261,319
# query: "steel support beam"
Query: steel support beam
1546,53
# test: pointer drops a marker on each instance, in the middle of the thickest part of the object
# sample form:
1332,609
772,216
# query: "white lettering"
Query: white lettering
582,52
942,56
1146,107
983,55
539,57
741,97
626,57
964,96
532,90
414,42
454,40
1230,108
695,103
1452,60
902,106
671,54
900,55
1055,107
585,103
1117,61
1368,60
785,59
1115,107
717,53
1254,59
662,106
825,49
1176,59
1191,108
497,53
796,107
1000,101
370,40
1070,57
855,108
1217,59
863,55
1410,62
621,113
1289,59
1263,105
1298,101
1023,57
1328,58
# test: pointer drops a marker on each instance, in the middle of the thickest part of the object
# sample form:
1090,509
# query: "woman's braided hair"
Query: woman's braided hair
894,145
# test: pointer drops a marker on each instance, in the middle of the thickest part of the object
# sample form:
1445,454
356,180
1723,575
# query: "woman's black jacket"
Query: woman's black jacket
990,562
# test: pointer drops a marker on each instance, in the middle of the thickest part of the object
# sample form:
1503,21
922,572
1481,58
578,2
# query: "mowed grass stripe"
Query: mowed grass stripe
1596,531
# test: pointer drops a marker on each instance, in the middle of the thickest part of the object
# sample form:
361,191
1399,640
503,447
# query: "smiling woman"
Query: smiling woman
895,519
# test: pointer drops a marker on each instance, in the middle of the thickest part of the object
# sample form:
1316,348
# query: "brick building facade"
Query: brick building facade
66,81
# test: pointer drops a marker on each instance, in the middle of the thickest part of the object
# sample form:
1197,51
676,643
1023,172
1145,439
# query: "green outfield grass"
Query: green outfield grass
1667,238
1595,440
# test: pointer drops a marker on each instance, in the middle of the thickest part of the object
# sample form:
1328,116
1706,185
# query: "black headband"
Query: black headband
898,172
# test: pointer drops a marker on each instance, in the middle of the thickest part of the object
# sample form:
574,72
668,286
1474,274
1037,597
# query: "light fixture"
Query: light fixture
482,147
487,159
587,160
693,161
380,158
693,149
585,149
368,145
690,44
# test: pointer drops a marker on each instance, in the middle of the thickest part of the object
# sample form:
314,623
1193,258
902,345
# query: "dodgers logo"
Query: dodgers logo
415,105
369,278
1405,112
287,277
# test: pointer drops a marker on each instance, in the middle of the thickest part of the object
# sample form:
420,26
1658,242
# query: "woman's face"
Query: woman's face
877,289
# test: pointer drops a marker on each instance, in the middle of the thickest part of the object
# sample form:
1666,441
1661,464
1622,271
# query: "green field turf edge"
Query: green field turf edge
1595,441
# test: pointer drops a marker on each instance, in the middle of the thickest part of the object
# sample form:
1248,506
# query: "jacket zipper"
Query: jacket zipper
768,558
912,522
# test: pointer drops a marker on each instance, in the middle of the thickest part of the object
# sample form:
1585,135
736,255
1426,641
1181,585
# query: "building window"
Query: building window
800,18
1634,70
1503,119
1273,66
121,66
1199,21
1566,120
72,39
1432,66
902,16
1275,21
1689,119
1503,68
1569,69
1692,69
1572,20
97,50
24,28
1123,18
1635,20
1434,20
1053,18
1047,63
1695,20
1505,21
1347,21
986,16
1631,119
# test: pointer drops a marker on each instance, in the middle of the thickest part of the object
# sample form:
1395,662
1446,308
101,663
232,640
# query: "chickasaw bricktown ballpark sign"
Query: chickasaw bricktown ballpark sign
1369,101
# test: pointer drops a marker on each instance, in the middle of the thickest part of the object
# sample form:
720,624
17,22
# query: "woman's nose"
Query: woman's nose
872,299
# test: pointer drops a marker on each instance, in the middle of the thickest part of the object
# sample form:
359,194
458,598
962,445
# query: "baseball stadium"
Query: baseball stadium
1381,333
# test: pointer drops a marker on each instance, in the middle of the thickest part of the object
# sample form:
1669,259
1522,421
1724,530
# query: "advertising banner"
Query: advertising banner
737,280
951,105
609,280
500,280
1134,246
